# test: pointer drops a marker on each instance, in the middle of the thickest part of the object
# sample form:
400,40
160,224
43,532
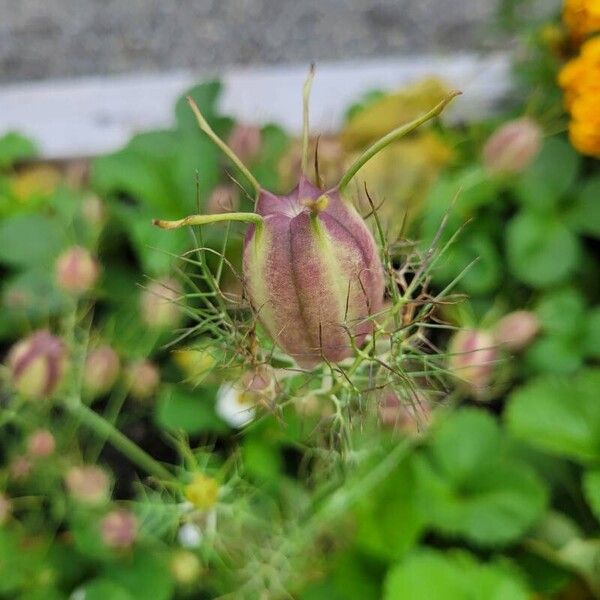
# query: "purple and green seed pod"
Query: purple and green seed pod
311,266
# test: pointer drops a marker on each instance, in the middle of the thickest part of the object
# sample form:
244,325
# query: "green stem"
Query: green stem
392,136
204,219
305,128
103,429
208,130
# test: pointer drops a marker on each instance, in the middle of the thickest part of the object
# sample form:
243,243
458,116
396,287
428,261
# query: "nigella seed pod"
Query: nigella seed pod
517,330
313,273
311,266
101,370
76,270
37,364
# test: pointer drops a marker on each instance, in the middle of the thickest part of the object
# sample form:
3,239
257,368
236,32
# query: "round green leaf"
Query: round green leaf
541,251
559,415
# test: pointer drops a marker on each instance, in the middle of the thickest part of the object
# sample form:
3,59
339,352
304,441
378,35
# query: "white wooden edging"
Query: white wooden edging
94,115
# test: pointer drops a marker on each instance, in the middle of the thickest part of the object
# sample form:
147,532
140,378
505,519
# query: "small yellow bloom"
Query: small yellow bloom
581,17
202,492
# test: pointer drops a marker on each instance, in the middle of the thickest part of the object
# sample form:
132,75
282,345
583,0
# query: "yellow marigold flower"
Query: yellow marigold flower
581,17
585,138
202,491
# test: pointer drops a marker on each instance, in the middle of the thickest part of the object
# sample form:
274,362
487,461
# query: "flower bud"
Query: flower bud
409,416
517,330
223,199
37,364
513,146
143,377
190,535
5,508
158,303
76,270
313,273
87,484
41,443
101,370
119,529
20,467
235,405
472,358
245,141
185,567
202,491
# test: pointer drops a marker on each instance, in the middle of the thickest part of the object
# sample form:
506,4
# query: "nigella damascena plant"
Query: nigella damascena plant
311,266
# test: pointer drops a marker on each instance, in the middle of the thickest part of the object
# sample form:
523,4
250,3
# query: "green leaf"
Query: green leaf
563,312
541,251
585,214
145,575
472,487
15,147
591,490
550,176
29,240
104,588
559,415
555,354
390,520
191,412
427,575
592,333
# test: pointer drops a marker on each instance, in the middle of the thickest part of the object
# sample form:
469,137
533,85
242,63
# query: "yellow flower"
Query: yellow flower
202,492
580,79
581,17
39,181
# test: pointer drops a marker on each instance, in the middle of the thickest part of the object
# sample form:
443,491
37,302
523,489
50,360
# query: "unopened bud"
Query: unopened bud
158,303
185,567
512,147
41,443
20,467
143,378
202,492
245,141
473,354
235,405
37,364
119,529
409,416
223,199
76,270
101,370
88,484
517,330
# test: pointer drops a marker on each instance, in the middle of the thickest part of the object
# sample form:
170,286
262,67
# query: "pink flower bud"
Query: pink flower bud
472,359
517,330
313,273
101,370
223,199
76,270
513,146
5,508
245,141
143,377
87,484
41,443
119,529
158,303
37,364
20,467
410,416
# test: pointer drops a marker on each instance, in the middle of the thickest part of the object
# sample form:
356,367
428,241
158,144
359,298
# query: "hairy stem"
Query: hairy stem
208,130
392,136
105,430
305,127
205,219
